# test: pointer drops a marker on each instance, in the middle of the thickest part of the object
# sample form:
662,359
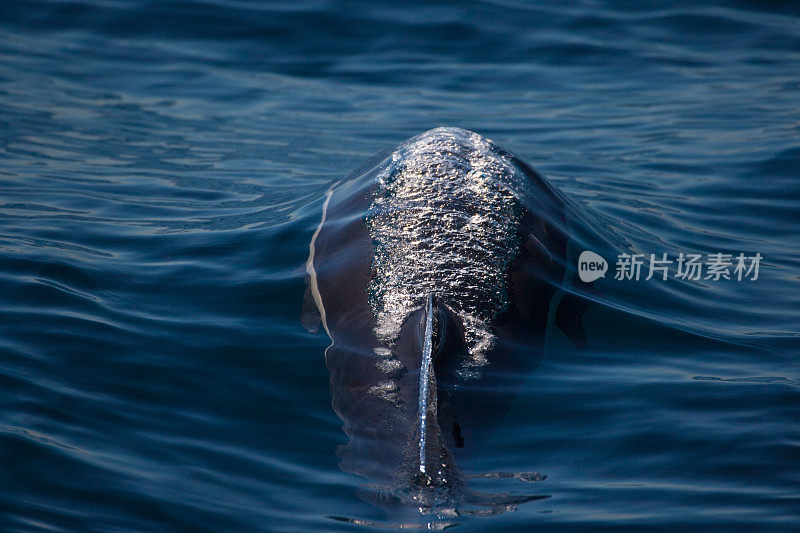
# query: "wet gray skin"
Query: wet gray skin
433,271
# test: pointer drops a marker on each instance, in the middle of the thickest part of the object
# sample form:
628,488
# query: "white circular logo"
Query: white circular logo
591,266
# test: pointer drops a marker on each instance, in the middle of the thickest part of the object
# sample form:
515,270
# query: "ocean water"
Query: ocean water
163,166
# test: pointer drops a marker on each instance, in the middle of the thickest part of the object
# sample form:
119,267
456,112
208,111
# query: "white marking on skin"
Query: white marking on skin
312,273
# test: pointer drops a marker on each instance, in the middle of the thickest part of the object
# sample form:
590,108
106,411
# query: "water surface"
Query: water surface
162,169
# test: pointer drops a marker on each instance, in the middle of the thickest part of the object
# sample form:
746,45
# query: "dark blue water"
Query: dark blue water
162,169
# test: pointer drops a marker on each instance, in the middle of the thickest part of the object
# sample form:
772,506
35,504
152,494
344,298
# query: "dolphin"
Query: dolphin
435,270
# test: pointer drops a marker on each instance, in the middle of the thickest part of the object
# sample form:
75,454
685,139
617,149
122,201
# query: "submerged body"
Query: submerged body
434,271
